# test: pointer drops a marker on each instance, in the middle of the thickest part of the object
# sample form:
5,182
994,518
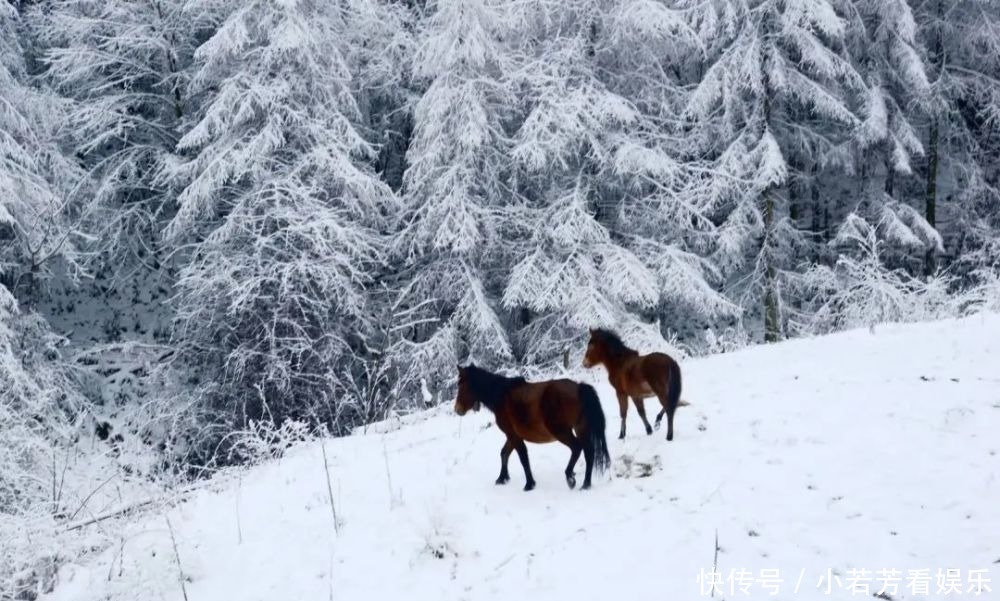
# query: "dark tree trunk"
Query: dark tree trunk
816,227
772,325
930,209
772,318
890,172
392,158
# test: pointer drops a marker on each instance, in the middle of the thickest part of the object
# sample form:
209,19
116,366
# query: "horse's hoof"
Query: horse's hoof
529,486
648,430
621,436
502,480
586,486
656,425
571,480
670,436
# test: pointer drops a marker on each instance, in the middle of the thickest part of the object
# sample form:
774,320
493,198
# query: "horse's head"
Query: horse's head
596,352
465,400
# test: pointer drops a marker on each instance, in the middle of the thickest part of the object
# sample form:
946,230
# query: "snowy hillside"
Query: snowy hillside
859,451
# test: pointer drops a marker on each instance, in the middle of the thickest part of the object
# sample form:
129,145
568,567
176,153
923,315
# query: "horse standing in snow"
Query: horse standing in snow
638,376
538,412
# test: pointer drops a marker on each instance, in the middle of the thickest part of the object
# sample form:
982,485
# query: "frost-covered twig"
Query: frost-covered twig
177,558
329,488
126,508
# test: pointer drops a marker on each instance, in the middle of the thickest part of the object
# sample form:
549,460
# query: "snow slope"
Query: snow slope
858,451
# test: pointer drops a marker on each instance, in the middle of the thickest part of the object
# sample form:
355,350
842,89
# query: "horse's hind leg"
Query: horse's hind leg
575,446
522,454
505,452
640,406
588,457
662,394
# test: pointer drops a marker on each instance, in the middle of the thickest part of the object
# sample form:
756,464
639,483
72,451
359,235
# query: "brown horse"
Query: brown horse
538,412
638,376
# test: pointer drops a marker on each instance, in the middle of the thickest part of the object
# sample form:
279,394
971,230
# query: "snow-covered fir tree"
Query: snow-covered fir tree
456,189
42,191
564,282
283,213
599,167
961,54
777,98
885,47
124,64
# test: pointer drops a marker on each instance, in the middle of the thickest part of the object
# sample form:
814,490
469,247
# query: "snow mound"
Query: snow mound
844,464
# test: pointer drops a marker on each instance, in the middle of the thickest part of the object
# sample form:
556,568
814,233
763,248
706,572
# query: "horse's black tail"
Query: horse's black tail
595,426
673,396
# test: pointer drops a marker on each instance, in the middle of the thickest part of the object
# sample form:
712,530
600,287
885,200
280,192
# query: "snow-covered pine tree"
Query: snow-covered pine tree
861,291
24,195
560,283
456,189
599,170
961,51
40,405
124,65
884,45
654,53
284,214
380,48
27,442
777,94
40,194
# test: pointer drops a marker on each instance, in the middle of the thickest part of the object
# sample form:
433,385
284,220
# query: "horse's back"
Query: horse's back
543,408
659,357
560,399
643,374
564,387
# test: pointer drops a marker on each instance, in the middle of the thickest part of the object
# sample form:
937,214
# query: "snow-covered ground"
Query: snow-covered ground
852,456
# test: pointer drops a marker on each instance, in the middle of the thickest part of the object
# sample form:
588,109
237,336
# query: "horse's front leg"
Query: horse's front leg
522,454
623,410
504,456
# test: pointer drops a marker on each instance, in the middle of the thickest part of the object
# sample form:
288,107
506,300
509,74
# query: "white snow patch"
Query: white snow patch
861,450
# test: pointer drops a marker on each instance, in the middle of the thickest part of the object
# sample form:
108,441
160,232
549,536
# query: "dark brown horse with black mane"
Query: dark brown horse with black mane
638,376
538,412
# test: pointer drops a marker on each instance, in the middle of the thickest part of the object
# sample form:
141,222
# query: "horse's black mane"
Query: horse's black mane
488,388
613,343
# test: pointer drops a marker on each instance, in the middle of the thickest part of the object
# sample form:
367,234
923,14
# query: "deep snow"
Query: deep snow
859,451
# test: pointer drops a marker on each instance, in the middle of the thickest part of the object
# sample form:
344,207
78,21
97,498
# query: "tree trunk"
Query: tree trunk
794,199
930,210
890,172
392,157
817,210
772,327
